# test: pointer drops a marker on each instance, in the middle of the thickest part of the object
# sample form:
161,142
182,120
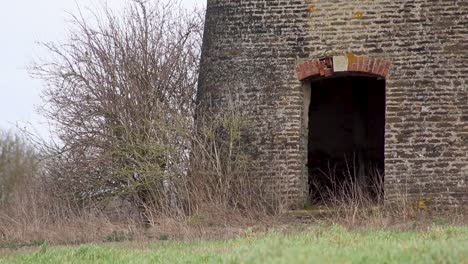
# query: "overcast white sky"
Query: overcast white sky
23,23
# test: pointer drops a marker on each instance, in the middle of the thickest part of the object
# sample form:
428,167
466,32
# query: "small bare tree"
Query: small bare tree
121,93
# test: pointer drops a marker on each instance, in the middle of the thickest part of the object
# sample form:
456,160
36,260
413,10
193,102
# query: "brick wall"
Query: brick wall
252,49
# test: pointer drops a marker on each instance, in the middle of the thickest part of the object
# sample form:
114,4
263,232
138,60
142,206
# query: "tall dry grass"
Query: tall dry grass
217,196
120,92
219,200
222,162
30,209
353,195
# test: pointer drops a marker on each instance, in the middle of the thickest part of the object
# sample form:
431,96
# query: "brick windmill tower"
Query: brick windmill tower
346,84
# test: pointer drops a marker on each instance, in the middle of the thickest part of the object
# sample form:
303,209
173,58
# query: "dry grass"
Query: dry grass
34,214
34,217
31,220
218,199
354,197
225,205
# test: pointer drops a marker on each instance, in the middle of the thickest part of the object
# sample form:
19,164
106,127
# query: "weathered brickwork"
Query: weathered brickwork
324,67
256,51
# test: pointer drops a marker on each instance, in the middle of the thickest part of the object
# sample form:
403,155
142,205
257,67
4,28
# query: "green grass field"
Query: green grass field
315,245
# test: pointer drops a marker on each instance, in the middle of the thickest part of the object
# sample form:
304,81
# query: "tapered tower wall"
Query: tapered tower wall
254,53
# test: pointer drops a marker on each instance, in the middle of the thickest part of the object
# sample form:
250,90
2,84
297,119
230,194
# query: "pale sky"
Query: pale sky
23,23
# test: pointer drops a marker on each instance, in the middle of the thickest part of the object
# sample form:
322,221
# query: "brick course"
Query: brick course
262,52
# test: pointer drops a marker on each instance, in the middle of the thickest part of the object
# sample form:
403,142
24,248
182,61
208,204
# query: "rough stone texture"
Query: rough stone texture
252,49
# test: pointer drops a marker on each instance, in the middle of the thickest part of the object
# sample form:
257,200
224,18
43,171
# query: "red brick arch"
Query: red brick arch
350,63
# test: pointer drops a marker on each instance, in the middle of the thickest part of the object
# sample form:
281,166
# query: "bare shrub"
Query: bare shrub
223,159
121,92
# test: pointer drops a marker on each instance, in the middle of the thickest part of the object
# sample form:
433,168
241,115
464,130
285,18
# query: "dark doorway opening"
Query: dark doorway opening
346,139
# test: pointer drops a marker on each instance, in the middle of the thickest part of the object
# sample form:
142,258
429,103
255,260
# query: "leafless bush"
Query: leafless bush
223,159
121,94
217,193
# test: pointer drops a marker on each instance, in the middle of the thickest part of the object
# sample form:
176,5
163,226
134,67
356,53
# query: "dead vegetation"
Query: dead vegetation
221,209
34,216
30,219
121,95
129,165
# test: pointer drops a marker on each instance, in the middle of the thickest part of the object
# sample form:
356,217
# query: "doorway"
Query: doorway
346,138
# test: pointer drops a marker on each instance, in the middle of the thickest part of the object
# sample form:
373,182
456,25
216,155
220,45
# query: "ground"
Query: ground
314,244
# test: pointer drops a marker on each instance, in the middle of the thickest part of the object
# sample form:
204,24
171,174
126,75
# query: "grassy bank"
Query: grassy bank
333,244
